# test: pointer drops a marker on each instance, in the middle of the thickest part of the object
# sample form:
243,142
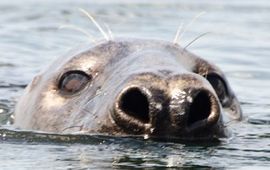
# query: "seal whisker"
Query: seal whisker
227,124
70,127
190,23
88,102
109,32
76,28
95,23
176,38
195,39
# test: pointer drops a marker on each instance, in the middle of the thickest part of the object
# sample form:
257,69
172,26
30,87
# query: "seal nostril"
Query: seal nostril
135,103
200,108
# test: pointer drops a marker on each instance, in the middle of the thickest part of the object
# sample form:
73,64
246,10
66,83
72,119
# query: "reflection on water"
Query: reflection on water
238,43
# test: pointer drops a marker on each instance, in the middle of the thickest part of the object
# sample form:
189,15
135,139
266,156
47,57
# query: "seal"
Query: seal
130,87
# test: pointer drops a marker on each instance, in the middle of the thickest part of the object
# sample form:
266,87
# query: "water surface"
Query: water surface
239,43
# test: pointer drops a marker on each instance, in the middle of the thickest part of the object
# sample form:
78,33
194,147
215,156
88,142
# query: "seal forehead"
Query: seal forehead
100,54
120,48
110,52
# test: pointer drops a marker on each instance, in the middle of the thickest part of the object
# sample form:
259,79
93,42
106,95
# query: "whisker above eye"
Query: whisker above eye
182,31
195,39
109,32
178,33
74,27
95,23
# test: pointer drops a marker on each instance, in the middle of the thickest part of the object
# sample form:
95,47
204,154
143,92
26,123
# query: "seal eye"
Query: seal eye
219,86
73,81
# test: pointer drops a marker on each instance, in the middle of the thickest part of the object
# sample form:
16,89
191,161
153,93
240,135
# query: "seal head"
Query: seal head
130,87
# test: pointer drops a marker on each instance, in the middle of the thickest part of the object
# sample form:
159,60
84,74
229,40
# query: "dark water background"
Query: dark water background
239,43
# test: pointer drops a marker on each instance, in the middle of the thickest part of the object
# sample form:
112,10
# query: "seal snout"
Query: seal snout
170,110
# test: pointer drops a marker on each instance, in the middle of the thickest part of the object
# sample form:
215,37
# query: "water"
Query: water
239,43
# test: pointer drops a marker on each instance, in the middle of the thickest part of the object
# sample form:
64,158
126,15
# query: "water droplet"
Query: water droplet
181,113
181,101
158,106
98,92
189,99
146,136
1,111
152,130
